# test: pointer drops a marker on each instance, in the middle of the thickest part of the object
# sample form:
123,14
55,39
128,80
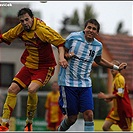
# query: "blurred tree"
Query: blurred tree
76,21
119,29
89,13
65,22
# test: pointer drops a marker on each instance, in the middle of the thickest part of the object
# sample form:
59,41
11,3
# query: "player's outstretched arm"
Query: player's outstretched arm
107,97
102,62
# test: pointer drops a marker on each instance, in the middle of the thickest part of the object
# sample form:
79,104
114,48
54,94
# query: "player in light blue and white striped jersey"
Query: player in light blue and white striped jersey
78,72
82,49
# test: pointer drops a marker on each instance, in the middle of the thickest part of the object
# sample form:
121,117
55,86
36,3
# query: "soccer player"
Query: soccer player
53,114
121,112
82,49
38,60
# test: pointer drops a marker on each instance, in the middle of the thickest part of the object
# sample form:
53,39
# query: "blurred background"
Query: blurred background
116,34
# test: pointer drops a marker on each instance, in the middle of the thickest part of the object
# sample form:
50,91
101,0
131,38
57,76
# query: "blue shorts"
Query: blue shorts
75,99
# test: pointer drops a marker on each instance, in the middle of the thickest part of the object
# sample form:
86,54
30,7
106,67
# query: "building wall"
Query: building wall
11,55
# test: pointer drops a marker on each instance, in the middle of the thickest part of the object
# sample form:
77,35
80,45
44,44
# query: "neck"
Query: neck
89,40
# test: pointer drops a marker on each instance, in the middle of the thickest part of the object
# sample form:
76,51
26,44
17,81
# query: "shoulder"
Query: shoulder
39,24
43,28
49,94
39,21
18,28
120,78
76,36
76,33
96,42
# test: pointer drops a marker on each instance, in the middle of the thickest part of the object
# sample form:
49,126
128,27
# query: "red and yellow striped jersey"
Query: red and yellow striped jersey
122,102
38,52
51,104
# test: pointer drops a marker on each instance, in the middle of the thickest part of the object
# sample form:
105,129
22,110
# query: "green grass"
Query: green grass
99,123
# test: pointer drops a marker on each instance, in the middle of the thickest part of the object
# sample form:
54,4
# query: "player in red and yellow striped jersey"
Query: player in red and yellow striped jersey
38,59
53,114
121,112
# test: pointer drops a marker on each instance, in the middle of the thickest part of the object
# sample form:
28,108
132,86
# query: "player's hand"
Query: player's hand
101,95
63,62
108,100
69,55
122,66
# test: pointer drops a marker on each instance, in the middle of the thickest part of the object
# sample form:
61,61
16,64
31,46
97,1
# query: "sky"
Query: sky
109,13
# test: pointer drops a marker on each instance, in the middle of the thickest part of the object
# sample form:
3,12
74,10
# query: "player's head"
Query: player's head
114,72
91,29
55,86
92,21
25,16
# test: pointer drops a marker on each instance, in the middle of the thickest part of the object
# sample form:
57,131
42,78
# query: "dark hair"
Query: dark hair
24,11
92,21
116,62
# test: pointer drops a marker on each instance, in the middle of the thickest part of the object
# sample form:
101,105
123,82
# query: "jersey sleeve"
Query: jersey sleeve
11,34
47,34
120,84
69,41
99,53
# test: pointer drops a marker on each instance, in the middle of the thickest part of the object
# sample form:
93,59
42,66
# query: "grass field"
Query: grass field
78,126
99,123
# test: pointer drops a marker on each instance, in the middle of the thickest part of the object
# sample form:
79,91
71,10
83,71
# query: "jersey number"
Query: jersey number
92,53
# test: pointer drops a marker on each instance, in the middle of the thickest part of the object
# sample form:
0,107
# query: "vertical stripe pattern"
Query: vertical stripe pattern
77,74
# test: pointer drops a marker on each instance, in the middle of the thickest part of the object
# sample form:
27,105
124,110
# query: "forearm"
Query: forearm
110,96
105,63
102,95
62,60
61,51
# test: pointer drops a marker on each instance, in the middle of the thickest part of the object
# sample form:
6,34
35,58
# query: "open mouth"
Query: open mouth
90,34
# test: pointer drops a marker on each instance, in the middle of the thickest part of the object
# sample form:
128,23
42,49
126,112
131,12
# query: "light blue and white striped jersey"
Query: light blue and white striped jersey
77,74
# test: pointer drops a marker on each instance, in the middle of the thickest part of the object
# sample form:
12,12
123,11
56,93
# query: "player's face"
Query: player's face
26,21
90,31
55,87
114,72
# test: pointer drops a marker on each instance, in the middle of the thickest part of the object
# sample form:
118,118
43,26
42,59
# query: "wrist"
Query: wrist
70,54
115,67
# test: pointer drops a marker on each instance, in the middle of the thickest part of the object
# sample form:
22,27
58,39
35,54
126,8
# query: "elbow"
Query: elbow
98,62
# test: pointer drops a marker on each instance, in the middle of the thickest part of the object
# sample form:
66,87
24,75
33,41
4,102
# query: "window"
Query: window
6,74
